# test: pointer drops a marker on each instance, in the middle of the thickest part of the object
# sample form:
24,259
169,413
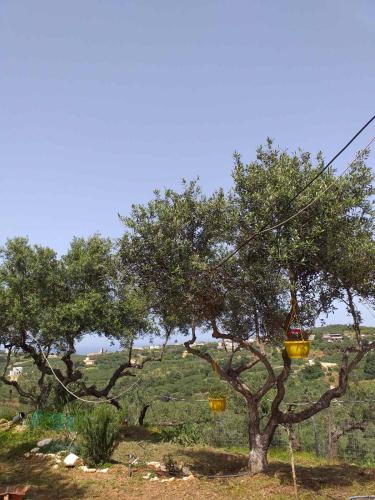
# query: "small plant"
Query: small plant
171,465
98,431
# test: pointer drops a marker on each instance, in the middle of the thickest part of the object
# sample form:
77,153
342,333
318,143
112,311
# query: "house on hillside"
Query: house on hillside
14,373
227,345
333,337
100,353
88,361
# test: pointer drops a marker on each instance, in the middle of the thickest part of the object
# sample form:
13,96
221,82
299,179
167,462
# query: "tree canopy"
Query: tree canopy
228,263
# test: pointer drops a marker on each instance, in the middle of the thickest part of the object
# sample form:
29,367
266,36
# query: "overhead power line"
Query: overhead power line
266,227
332,160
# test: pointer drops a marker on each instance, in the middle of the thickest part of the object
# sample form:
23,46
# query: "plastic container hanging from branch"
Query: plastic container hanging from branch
296,345
217,404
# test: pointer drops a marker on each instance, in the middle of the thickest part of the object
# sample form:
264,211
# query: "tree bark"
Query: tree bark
142,414
258,461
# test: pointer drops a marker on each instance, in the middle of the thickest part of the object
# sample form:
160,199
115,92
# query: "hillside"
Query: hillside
174,394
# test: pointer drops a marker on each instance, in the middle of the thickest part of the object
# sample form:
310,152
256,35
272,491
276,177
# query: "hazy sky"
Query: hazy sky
102,101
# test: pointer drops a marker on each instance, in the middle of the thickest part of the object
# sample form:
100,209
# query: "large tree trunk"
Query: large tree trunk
259,444
258,453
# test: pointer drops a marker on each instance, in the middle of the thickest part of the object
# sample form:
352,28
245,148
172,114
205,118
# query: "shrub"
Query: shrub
98,430
184,435
312,372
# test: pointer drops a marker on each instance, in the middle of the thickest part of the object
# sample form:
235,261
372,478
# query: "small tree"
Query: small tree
183,256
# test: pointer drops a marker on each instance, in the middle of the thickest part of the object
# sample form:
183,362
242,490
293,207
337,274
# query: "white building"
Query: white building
227,344
88,361
15,373
333,337
102,351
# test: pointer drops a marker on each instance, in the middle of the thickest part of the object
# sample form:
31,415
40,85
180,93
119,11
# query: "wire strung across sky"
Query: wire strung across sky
266,227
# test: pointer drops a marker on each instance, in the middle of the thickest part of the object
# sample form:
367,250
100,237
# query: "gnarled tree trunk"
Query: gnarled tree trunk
258,453
259,442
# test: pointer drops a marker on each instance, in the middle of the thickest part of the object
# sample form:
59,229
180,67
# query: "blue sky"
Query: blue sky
101,102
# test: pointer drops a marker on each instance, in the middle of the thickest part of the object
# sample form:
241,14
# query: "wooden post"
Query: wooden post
292,462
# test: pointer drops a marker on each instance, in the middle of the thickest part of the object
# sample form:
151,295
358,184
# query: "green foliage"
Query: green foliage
312,372
98,430
369,366
185,435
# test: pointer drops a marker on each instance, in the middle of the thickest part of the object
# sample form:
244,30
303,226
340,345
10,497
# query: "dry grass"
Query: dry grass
316,480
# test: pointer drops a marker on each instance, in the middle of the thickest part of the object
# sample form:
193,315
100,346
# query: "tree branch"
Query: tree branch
230,375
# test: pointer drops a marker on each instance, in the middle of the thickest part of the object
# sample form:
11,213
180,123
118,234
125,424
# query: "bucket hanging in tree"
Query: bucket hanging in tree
296,344
217,404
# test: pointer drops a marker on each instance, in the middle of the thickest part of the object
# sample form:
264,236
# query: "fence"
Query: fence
345,431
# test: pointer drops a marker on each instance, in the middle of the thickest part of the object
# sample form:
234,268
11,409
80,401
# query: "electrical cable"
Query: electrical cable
266,228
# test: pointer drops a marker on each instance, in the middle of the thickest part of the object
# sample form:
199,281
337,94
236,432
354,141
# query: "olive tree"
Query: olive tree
216,263
48,304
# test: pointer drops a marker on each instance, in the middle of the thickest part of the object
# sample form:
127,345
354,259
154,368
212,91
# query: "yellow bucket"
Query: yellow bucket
297,349
217,404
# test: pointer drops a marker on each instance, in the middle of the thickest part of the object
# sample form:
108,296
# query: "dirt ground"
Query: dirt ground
315,481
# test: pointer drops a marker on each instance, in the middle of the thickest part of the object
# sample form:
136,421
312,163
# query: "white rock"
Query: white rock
34,450
147,476
55,466
103,471
167,480
186,471
87,469
40,455
187,478
154,479
71,460
26,455
44,442
157,465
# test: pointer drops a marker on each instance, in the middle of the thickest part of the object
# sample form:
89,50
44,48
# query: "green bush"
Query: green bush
184,435
369,366
98,430
312,372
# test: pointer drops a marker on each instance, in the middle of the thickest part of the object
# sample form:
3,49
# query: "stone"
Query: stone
71,460
103,471
154,479
26,455
44,442
187,478
167,480
34,450
55,466
157,465
84,468
186,471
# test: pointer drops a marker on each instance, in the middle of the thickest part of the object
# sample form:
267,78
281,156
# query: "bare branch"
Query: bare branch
325,400
230,375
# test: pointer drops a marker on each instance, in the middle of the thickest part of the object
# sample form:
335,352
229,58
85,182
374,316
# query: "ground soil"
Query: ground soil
315,480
